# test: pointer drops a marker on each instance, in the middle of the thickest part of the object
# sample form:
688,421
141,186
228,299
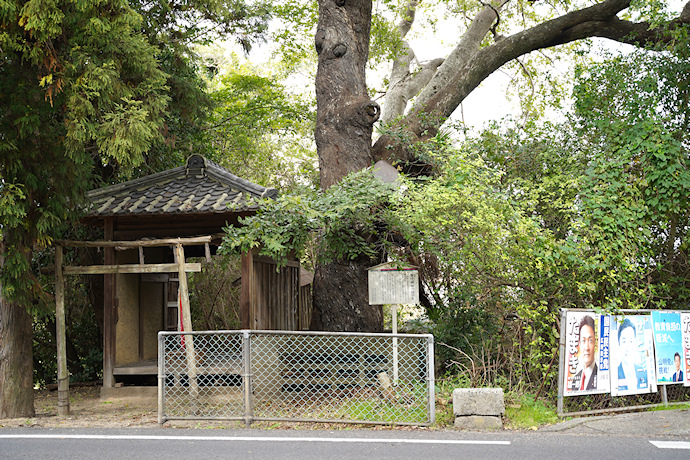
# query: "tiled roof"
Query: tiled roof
199,187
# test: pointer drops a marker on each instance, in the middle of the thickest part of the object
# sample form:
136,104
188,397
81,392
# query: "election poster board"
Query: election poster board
685,333
668,347
632,355
587,353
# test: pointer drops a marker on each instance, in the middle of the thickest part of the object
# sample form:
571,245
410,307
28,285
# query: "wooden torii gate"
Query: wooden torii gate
179,266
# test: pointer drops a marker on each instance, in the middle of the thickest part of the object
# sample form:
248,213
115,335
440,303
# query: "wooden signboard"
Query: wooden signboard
393,285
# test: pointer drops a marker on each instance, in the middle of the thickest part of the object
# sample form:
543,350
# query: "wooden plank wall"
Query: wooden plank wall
275,296
305,303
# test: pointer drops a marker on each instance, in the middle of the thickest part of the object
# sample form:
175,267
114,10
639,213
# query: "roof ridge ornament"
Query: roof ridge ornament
196,165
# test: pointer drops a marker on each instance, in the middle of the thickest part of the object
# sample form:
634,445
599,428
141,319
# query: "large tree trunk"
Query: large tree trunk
344,121
342,286
16,358
345,114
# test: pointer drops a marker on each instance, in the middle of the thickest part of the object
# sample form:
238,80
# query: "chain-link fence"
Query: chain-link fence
590,404
296,376
604,403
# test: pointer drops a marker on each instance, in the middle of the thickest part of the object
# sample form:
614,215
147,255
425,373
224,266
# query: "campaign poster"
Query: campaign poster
685,326
632,355
587,353
668,347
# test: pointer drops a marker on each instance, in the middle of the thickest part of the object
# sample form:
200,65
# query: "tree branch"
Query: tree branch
396,99
403,86
443,95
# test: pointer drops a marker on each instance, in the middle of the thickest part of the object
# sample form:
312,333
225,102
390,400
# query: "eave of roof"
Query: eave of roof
199,187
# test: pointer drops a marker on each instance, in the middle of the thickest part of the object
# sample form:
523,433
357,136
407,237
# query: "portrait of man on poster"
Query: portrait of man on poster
678,375
631,375
586,377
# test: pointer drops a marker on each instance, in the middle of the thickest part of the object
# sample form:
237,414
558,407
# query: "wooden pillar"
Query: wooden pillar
186,320
109,317
247,291
63,373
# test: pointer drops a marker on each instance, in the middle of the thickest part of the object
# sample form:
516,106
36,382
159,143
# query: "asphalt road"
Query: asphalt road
32,443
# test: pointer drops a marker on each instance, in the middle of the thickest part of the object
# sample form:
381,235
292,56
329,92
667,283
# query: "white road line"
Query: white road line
671,444
252,439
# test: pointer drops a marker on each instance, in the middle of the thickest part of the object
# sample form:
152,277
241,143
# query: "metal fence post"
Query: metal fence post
247,377
394,328
431,379
561,365
161,378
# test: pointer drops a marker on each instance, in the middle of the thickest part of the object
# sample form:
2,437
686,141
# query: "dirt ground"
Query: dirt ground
88,409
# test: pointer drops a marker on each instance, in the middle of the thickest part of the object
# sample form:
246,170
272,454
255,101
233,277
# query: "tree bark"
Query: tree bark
338,301
466,48
344,115
344,123
16,358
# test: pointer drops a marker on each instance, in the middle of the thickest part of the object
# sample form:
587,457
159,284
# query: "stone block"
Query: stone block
478,422
478,401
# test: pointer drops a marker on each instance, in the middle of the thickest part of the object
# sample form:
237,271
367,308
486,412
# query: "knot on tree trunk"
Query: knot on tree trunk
318,40
339,50
364,111
336,51
339,2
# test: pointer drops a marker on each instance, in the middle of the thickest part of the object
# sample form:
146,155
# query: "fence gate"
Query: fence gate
296,376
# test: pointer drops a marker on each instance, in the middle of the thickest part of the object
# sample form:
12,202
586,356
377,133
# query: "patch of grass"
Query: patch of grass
524,412
444,398
369,410
670,407
444,413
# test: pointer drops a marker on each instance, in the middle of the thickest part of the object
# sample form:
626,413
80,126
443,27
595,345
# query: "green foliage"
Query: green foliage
381,410
294,35
344,219
461,325
525,412
176,30
260,130
604,196
77,83
386,43
541,167
444,386
86,365
183,23
634,112
214,295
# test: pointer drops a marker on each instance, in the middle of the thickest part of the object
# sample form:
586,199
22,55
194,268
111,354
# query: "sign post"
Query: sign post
393,285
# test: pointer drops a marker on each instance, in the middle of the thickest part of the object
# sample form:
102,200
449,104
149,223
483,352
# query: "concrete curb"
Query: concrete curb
672,422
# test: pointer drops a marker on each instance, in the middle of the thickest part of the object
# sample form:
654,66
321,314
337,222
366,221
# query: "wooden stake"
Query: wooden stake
186,321
109,318
63,373
387,390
